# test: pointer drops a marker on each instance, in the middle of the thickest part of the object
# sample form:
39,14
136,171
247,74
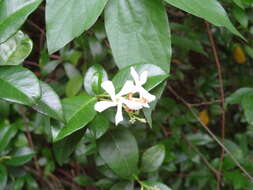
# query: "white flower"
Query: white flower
139,81
117,100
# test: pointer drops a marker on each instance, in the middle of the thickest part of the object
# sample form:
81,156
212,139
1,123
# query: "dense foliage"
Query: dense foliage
184,120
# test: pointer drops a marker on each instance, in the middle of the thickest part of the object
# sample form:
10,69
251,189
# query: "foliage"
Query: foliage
56,57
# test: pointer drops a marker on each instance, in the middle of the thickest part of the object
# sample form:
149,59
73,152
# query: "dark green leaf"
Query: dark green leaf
3,177
19,85
98,126
118,148
20,157
138,32
74,85
6,134
153,158
49,103
79,111
15,49
211,10
123,186
67,19
13,14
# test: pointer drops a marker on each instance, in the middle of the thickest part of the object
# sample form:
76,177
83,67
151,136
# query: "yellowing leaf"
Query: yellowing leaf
239,55
204,117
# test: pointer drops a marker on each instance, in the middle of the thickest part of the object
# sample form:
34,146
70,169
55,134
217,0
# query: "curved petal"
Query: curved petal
103,105
133,105
109,88
143,77
119,115
145,94
127,88
135,75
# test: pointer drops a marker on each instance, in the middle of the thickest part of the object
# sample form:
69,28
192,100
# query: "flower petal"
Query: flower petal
109,88
103,105
127,88
135,75
145,94
133,105
119,115
143,77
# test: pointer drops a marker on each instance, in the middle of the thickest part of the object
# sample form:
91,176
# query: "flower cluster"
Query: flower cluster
125,98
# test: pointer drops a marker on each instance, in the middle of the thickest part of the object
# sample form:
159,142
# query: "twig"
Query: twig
205,103
246,173
222,95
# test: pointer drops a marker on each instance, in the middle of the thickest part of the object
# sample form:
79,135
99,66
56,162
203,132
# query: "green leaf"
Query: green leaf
13,14
153,158
159,185
118,148
239,3
67,19
74,85
19,85
155,76
15,49
138,32
99,126
83,180
65,147
6,134
20,157
241,16
211,10
199,139
123,186
3,177
49,103
79,111
93,78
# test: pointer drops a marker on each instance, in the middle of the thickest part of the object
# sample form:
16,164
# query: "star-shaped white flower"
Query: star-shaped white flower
139,81
117,100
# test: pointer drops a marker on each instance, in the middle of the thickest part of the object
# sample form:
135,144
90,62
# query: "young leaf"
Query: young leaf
67,19
13,15
20,157
15,49
79,111
118,148
49,103
153,158
3,177
19,85
138,32
211,10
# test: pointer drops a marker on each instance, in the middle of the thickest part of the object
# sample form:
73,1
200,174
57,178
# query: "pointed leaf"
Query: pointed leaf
79,111
18,84
118,148
67,19
20,157
138,32
6,134
13,14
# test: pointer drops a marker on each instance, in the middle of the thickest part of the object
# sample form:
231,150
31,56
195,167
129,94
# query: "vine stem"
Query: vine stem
246,173
222,97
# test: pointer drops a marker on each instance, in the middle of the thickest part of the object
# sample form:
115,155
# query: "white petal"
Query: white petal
109,88
127,88
119,115
145,94
133,105
103,105
134,75
143,77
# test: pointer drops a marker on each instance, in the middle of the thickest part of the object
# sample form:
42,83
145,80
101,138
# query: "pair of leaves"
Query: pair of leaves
20,85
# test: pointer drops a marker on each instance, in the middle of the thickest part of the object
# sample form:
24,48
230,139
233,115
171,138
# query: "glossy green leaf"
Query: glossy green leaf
123,186
211,10
155,76
15,49
6,134
138,32
49,103
65,147
67,19
20,157
71,70
3,177
93,78
18,84
159,185
79,111
118,148
98,126
13,14
74,85
153,158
